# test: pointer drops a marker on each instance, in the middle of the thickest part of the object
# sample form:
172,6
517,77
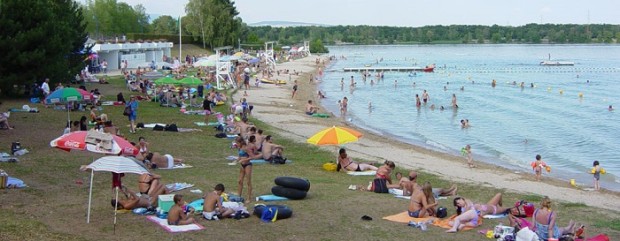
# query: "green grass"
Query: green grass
53,207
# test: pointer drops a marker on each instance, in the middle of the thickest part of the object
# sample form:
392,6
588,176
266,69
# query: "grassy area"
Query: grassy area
53,207
191,50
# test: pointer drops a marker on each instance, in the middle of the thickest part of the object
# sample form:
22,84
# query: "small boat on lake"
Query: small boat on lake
557,63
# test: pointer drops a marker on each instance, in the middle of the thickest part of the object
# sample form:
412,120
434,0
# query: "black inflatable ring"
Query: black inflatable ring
290,193
283,211
293,182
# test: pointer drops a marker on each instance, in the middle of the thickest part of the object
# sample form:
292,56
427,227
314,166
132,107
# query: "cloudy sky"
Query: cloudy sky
411,12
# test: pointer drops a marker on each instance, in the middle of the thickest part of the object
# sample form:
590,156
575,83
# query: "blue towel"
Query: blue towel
11,181
271,197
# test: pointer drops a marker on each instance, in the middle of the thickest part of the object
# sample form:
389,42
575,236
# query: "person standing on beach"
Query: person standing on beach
341,84
468,155
425,97
133,106
343,108
294,90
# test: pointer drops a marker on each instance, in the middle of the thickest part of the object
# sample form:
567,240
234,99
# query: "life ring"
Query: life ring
293,182
290,193
284,212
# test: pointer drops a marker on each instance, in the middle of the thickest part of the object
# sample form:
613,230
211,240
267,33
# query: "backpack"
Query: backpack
270,214
219,127
442,212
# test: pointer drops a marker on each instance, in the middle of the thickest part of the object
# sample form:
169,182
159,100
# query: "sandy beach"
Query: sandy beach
274,106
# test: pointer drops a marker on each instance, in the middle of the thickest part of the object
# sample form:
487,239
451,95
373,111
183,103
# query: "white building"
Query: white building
136,54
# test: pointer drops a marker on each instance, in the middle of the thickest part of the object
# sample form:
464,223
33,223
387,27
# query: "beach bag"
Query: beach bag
158,128
278,160
442,212
127,111
330,167
270,214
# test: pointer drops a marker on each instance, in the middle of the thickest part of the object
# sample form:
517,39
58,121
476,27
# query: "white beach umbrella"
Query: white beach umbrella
116,164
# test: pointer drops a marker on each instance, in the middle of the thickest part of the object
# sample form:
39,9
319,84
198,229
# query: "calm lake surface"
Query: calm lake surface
564,117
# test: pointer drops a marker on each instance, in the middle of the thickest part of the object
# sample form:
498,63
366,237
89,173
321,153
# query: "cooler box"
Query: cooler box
165,202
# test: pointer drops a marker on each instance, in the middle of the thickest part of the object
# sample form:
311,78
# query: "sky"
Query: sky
413,13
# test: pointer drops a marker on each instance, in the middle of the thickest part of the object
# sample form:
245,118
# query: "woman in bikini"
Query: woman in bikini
422,202
348,164
150,184
468,212
247,152
143,146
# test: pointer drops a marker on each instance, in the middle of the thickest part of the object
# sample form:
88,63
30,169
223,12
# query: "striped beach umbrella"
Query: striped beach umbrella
334,136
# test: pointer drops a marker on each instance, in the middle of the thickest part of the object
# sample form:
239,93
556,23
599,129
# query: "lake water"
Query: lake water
564,117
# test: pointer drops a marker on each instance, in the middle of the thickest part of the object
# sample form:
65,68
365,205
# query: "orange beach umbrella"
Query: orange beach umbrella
335,136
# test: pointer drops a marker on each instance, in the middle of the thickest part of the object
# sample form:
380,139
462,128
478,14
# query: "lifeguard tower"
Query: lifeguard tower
306,50
223,68
271,62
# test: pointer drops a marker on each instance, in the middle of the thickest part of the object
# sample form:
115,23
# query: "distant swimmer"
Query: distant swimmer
441,108
445,88
611,108
494,83
395,83
413,84
425,97
532,85
369,105
432,107
454,105
462,88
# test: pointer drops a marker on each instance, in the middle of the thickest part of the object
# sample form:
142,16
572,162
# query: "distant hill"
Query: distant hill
285,24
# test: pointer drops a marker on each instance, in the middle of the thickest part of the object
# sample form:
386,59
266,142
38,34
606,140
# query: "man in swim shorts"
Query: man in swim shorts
177,214
311,108
270,150
212,207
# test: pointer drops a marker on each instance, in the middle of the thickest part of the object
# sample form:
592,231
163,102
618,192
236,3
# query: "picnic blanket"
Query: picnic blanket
444,223
270,197
173,187
177,166
404,218
187,129
364,173
31,110
174,228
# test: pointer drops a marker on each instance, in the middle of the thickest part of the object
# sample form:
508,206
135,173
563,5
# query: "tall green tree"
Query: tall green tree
108,18
165,25
214,21
40,39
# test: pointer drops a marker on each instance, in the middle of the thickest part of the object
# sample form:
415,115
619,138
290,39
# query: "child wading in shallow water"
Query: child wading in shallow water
467,153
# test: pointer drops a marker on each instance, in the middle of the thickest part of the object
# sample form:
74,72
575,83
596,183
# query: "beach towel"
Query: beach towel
444,223
194,112
177,166
364,173
174,228
270,197
262,161
5,157
173,187
31,110
197,205
494,216
15,183
200,123
404,218
232,158
187,129
409,197
151,125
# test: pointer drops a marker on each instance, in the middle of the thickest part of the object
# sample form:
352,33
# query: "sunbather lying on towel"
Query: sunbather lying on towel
177,214
162,161
132,200
348,164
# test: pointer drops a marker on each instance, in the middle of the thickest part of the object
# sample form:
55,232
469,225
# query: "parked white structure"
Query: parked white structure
136,54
